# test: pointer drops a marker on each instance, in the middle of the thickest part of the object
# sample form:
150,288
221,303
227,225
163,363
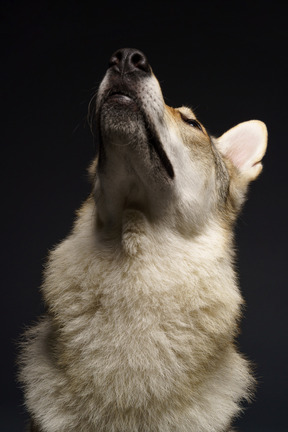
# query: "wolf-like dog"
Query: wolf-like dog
142,299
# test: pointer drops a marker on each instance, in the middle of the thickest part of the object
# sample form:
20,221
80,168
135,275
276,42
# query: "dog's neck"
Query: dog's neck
135,234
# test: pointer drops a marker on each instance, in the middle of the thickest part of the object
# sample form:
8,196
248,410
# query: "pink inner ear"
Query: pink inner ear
246,145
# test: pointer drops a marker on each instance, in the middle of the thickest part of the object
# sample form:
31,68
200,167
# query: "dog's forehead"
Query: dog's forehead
187,111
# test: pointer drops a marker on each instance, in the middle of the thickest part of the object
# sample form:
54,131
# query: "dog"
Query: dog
143,305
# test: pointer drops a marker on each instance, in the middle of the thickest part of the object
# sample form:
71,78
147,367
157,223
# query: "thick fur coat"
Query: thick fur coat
142,300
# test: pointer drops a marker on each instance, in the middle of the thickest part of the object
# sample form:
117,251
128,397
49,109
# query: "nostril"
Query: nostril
136,58
139,61
115,59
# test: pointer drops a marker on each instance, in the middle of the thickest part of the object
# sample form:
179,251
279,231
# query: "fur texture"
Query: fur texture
142,298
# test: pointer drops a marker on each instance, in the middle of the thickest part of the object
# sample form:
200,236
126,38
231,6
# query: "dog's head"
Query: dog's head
161,160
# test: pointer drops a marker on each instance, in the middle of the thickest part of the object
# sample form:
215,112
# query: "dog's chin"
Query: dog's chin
121,118
124,122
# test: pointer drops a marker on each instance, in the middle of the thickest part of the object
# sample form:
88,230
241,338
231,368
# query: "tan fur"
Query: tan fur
143,303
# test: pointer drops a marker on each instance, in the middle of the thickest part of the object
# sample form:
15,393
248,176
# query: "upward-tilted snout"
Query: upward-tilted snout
130,112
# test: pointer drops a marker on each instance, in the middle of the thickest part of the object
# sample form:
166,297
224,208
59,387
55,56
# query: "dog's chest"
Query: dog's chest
141,321
133,328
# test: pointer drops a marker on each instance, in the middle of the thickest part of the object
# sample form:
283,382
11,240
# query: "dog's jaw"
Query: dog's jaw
134,171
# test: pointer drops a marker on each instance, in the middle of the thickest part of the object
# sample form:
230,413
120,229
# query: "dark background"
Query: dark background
227,60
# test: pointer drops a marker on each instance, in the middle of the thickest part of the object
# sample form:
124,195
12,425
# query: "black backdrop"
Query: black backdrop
228,60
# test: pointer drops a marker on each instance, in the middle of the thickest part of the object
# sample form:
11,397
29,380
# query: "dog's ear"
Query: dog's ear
244,146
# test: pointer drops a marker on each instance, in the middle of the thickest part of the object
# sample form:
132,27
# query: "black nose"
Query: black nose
128,60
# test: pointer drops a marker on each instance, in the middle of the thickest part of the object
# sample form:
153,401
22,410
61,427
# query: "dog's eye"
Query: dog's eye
192,122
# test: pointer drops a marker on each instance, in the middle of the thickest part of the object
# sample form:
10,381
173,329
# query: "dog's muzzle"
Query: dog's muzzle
127,68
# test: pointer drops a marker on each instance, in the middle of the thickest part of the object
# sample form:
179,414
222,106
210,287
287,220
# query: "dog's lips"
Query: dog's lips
121,98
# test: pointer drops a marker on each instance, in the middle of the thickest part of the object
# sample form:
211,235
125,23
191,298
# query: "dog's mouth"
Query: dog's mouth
132,102
121,97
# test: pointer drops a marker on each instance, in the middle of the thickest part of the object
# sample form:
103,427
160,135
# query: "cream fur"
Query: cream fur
142,314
